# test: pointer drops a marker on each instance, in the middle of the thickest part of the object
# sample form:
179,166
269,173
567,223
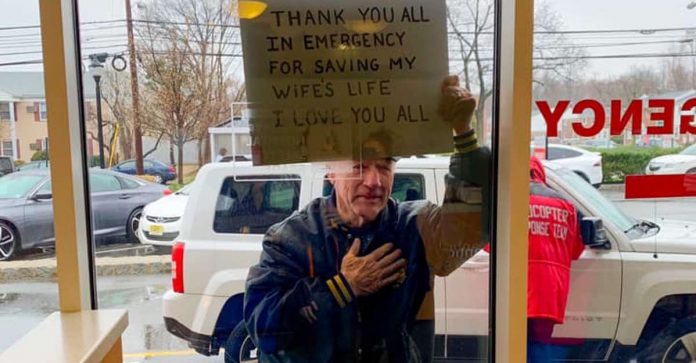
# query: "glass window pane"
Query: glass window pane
26,222
198,102
616,67
103,183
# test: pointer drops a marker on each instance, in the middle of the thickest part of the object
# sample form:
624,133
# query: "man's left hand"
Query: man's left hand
457,105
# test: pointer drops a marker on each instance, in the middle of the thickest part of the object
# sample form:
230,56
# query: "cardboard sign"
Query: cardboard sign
323,77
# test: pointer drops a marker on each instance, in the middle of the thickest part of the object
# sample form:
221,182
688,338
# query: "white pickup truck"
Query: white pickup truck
632,298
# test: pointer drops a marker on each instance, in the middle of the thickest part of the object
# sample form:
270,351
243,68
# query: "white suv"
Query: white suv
633,296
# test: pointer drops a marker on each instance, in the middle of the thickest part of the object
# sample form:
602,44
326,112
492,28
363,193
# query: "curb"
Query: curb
45,270
613,187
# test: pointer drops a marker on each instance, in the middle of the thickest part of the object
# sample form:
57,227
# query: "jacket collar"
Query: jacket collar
386,221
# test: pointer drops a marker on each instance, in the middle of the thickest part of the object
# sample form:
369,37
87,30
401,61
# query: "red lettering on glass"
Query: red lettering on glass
633,114
666,116
552,117
686,120
661,110
599,120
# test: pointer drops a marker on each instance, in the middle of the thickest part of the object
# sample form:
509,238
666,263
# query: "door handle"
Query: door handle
124,196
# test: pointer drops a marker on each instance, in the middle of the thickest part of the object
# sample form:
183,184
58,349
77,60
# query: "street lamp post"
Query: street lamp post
97,70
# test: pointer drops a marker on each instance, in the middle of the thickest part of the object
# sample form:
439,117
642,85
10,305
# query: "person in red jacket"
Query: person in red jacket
555,240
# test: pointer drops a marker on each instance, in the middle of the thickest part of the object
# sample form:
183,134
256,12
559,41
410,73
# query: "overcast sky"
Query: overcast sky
575,14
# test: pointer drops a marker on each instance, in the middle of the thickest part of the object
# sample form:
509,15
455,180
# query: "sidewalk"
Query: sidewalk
44,270
613,191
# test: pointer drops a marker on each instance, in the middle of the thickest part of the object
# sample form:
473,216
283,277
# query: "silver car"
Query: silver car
26,208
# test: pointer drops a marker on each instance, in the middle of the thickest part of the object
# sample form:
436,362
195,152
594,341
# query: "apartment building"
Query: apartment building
23,116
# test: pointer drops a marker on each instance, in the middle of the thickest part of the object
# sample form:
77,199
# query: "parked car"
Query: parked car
585,163
621,299
161,171
6,165
39,164
681,163
161,220
26,208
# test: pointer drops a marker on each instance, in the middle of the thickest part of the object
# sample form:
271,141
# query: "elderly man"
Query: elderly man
346,279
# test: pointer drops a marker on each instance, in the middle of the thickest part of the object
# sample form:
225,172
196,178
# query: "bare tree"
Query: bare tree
184,48
117,96
679,74
471,25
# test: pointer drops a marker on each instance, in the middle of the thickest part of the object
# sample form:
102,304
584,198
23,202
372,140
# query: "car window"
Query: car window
18,186
590,194
407,187
129,183
103,183
46,188
568,153
5,164
691,150
128,165
554,153
251,206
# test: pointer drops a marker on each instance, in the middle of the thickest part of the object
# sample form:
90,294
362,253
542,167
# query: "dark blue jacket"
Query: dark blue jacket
301,260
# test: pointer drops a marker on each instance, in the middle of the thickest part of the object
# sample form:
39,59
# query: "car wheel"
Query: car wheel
675,343
9,241
133,225
239,348
159,179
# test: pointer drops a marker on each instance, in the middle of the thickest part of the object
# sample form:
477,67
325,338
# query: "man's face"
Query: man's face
362,189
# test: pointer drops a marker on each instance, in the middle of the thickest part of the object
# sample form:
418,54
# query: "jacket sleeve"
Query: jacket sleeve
455,231
279,287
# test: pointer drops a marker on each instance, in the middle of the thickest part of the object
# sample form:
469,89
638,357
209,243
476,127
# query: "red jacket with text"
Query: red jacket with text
554,242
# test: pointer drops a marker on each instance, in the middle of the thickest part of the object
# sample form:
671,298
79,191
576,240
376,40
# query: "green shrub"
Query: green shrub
94,161
39,155
619,162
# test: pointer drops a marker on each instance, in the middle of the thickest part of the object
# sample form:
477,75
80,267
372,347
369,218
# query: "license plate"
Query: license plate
156,230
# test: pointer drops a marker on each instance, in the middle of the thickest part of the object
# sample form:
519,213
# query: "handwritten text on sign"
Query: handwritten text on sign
324,76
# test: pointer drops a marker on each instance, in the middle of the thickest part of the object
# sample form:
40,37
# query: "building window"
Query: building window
7,148
5,111
42,111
